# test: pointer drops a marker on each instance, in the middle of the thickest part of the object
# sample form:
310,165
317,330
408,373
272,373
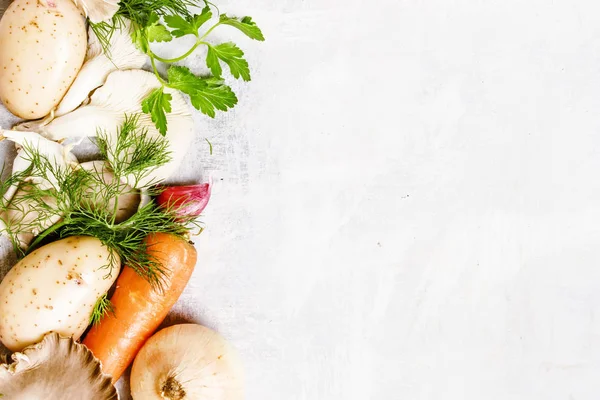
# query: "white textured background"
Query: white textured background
407,202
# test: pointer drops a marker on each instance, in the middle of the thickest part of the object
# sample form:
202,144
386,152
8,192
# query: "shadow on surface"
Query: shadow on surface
3,5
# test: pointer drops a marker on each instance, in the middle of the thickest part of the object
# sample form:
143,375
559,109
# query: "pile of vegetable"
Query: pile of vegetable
104,247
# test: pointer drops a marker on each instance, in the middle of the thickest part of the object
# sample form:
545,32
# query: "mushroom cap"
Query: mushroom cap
122,95
127,203
57,368
122,55
98,10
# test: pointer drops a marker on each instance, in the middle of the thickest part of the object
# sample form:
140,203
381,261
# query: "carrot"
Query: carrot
140,308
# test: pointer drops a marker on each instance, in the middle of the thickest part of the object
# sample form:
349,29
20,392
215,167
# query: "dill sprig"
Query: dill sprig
139,13
102,308
83,202
133,157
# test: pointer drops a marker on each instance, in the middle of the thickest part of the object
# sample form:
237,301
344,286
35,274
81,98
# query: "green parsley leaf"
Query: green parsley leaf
155,31
232,56
246,25
159,33
138,36
188,26
181,78
157,104
206,94
152,19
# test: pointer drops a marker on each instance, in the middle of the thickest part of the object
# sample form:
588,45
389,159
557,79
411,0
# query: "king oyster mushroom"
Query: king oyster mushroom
122,95
121,54
57,368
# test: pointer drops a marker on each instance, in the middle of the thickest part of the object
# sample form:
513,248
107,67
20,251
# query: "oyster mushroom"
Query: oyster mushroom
122,95
57,368
128,203
19,214
98,10
122,55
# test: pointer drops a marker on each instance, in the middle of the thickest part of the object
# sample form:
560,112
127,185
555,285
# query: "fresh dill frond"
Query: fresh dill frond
82,201
128,239
102,308
133,154
140,12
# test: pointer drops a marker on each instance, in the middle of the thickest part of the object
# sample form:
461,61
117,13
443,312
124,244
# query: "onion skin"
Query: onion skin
186,201
187,362
42,47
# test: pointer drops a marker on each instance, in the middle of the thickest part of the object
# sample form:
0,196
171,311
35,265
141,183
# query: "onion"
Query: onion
187,362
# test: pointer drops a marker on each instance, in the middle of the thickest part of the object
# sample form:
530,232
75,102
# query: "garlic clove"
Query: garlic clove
186,201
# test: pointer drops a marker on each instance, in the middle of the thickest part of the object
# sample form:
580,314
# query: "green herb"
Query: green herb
79,198
158,33
158,104
245,25
232,56
207,93
135,153
210,146
140,13
187,26
102,308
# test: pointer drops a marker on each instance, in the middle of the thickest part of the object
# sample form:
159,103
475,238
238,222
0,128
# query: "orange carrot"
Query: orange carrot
140,308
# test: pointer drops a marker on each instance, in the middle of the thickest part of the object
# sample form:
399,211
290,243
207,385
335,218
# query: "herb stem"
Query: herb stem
45,234
115,208
208,32
153,61
177,59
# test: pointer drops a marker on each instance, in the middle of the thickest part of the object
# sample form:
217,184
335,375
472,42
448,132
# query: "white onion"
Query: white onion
187,362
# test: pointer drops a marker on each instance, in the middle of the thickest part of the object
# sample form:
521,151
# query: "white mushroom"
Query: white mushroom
57,368
122,95
98,10
128,202
122,55
21,215
57,154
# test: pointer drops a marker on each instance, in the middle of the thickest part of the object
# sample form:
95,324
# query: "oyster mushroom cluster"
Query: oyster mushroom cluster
57,368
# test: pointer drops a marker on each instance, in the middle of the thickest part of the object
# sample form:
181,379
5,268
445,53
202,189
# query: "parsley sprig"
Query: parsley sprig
173,20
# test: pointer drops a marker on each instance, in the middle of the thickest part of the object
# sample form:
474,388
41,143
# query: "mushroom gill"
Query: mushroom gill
57,368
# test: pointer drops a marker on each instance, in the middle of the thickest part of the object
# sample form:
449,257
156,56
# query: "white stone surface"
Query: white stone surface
406,203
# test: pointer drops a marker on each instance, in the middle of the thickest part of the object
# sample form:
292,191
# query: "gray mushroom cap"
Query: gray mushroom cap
57,368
